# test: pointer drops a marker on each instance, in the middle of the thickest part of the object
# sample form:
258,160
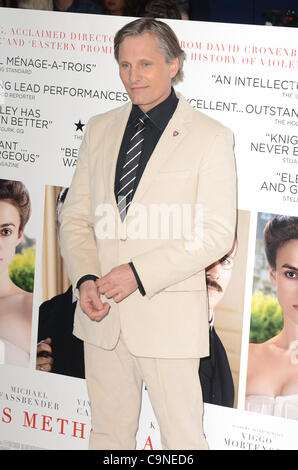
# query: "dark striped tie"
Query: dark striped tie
129,170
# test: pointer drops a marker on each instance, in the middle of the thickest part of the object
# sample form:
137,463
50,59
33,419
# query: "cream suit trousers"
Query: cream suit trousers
114,381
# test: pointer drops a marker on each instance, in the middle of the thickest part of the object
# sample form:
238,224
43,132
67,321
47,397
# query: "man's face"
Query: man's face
146,75
218,276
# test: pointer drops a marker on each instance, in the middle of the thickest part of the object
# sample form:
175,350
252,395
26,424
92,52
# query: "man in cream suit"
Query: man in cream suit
142,309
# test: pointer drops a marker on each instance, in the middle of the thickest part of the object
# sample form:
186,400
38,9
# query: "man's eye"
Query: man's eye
226,262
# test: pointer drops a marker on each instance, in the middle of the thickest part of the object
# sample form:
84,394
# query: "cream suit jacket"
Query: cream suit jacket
192,165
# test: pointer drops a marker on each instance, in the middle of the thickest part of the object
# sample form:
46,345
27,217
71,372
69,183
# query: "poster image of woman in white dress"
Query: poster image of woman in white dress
272,374
16,275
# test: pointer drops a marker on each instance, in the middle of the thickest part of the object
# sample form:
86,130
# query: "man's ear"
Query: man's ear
272,275
174,67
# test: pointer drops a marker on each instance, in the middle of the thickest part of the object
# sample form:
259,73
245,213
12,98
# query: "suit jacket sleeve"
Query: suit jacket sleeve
214,232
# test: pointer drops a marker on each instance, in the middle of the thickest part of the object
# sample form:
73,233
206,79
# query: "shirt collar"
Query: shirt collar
160,114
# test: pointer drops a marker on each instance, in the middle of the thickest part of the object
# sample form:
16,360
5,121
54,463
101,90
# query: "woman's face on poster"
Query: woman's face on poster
9,233
285,277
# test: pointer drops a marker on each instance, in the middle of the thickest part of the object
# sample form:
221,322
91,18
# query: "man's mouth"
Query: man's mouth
139,87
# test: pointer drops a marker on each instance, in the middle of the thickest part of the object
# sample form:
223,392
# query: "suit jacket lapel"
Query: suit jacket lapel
174,133
112,145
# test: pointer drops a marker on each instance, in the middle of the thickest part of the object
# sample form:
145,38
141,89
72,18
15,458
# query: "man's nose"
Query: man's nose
214,273
134,74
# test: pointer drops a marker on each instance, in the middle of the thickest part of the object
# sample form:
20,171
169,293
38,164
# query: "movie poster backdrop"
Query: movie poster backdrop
55,75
